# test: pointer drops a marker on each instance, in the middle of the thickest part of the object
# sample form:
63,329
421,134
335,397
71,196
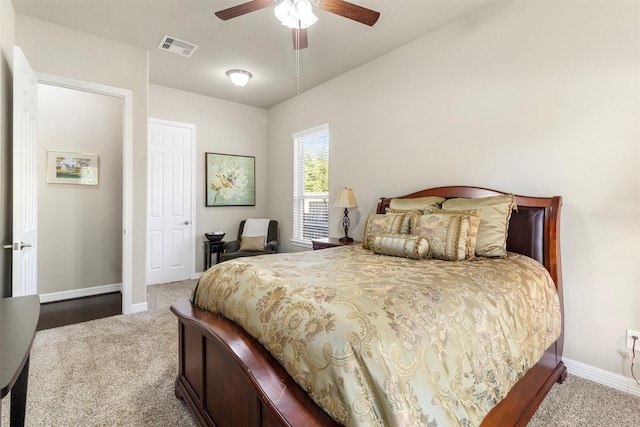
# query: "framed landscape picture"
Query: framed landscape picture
230,180
72,168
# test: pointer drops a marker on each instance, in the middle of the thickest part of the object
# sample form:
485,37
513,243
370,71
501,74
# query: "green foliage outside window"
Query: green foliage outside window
316,174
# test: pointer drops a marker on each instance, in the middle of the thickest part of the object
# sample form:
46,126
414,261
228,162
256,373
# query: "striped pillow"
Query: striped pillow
401,245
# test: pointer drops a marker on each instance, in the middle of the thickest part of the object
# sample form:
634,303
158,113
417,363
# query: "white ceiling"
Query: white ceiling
255,42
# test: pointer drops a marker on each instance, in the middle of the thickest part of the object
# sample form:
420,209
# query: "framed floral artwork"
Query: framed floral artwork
65,167
230,180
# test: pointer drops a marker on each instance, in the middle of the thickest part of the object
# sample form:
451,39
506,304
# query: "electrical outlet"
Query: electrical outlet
631,334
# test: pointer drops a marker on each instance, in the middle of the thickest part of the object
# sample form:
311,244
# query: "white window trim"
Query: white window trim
311,132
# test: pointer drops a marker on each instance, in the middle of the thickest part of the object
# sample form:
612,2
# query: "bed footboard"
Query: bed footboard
226,378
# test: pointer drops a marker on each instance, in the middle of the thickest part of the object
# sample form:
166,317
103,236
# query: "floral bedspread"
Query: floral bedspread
378,340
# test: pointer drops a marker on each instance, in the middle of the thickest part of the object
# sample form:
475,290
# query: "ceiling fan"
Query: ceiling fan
298,14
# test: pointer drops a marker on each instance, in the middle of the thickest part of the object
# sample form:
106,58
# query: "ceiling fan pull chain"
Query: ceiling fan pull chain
298,59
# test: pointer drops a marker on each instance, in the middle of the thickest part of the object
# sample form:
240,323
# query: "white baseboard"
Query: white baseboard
600,376
194,276
79,293
138,308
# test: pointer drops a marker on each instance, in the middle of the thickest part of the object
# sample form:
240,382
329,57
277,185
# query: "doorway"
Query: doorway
118,162
79,225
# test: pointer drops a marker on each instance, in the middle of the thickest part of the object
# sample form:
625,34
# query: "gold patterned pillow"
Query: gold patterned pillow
401,245
446,233
419,203
404,229
474,223
380,224
494,224
252,243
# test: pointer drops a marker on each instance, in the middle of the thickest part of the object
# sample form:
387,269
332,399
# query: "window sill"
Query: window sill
302,243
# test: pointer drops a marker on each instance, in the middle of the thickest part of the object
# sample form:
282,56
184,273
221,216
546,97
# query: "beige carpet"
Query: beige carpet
120,371
116,371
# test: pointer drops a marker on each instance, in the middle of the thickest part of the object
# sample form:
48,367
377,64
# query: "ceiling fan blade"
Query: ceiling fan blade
243,9
351,11
300,40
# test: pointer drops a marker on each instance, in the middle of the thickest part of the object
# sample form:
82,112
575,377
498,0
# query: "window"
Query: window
310,185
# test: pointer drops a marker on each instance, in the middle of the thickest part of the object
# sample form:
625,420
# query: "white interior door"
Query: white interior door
25,218
170,254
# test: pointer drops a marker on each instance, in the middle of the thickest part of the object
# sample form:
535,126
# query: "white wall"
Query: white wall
79,226
222,127
535,98
60,51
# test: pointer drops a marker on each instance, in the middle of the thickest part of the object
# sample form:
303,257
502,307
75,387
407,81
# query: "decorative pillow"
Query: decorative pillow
402,245
494,224
380,224
446,233
404,229
419,203
474,223
252,243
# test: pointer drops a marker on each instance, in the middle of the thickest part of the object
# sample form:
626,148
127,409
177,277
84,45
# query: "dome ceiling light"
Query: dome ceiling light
239,77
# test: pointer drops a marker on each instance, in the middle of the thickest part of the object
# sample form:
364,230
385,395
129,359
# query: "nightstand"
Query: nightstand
211,248
331,242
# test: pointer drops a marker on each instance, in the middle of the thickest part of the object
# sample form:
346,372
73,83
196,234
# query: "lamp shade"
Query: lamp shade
345,199
239,77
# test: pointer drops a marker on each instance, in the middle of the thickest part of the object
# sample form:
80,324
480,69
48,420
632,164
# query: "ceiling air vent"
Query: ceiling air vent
174,45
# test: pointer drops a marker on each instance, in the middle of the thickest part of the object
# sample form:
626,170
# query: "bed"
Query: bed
228,378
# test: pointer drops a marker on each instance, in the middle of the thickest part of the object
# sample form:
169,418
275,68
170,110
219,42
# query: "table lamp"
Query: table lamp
345,200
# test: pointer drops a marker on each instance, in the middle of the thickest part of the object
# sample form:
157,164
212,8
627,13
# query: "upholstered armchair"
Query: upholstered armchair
238,248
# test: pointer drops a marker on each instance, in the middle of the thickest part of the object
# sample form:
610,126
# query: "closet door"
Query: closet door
170,222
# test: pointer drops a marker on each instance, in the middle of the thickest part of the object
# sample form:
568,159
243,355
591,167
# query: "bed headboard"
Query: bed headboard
534,229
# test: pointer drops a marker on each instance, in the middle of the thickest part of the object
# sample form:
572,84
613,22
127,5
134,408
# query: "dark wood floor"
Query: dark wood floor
68,312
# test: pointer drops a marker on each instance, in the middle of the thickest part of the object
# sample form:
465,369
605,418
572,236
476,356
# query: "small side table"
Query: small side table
331,242
211,248
18,321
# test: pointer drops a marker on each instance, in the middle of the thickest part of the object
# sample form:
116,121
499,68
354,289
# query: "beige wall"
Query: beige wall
60,51
536,98
7,24
79,226
221,127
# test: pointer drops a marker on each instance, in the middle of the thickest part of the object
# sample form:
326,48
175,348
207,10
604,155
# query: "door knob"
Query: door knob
187,222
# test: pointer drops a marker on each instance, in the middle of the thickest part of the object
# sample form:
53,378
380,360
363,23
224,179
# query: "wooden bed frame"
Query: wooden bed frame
227,378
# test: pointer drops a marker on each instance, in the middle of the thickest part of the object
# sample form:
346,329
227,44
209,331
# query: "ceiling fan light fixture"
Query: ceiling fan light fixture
239,77
295,14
